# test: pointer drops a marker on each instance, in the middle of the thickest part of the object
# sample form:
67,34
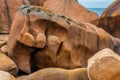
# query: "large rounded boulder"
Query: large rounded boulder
110,18
104,65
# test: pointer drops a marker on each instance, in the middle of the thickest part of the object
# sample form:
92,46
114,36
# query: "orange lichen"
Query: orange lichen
103,15
44,9
114,14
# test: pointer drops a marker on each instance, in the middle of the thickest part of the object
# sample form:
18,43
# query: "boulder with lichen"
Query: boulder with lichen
41,39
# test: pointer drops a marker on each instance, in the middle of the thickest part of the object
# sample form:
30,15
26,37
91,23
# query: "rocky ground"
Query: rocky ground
50,40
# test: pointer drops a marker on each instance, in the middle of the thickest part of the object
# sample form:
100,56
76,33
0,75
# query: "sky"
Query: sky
95,3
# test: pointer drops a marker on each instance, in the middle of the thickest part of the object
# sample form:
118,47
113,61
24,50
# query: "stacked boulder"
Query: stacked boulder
55,45
42,39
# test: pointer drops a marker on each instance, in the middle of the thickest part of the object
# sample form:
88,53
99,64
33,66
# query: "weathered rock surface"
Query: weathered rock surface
43,39
109,20
57,74
116,42
4,49
2,42
6,64
8,9
104,65
68,8
22,77
4,37
6,76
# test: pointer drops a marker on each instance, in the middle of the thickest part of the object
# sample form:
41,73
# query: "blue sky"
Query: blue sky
95,3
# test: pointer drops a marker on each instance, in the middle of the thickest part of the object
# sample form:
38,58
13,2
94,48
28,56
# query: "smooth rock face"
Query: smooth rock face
6,64
6,76
69,8
43,39
109,20
104,65
57,74
8,9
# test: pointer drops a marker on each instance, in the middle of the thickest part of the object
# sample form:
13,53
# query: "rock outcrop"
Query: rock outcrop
57,74
6,76
6,64
43,39
69,8
110,18
104,65
8,9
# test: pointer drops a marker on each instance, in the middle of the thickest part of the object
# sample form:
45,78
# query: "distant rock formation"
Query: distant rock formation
40,38
8,9
68,8
110,19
